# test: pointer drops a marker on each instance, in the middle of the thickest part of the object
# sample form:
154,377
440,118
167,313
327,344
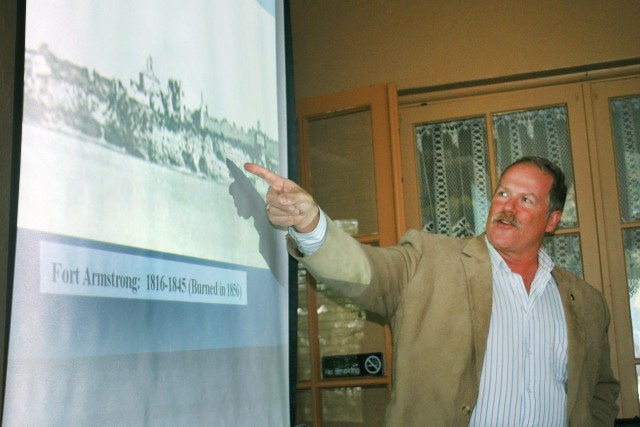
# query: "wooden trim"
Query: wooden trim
396,159
586,73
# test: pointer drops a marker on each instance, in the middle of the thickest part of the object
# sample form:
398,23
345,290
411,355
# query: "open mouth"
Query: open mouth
506,219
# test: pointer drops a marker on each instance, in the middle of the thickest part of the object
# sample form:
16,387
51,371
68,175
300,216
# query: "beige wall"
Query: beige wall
344,44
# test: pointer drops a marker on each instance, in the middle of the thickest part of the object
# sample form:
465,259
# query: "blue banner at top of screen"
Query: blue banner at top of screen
76,270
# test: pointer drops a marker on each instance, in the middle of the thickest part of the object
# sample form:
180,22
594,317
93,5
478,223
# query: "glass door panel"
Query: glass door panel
354,407
304,408
625,121
543,132
343,144
344,328
631,238
616,110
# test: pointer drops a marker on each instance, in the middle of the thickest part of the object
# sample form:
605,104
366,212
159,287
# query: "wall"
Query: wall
339,45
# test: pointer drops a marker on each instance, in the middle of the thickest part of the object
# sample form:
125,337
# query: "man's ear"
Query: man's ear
552,221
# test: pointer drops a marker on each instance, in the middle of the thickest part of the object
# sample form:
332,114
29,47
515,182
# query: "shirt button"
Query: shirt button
466,410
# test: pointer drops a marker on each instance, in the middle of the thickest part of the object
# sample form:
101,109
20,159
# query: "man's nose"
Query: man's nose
509,204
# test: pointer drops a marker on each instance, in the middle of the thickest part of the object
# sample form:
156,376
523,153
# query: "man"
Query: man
486,331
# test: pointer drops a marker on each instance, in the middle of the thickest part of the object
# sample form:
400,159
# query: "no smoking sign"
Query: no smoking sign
353,365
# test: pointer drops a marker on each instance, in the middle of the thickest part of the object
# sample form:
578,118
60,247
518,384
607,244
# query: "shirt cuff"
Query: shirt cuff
310,242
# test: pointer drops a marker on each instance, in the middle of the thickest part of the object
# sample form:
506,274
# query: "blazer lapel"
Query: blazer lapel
571,296
477,265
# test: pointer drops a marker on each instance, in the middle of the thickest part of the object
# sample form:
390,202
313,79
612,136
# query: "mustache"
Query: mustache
508,218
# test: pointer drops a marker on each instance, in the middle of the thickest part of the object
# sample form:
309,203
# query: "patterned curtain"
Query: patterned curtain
625,121
455,186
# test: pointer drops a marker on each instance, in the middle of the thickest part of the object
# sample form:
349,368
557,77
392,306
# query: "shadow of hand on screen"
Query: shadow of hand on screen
250,204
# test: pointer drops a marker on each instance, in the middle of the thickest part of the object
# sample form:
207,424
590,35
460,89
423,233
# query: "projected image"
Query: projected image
129,138
149,288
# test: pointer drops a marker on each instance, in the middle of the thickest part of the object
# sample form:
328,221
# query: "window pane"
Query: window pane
541,132
625,121
632,257
354,406
304,352
455,186
304,408
345,328
565,252
342,148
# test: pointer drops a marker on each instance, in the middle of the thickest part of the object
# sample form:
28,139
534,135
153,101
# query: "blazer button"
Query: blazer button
466,410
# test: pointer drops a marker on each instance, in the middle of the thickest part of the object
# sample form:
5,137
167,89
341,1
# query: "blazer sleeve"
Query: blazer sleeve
603,403
372,277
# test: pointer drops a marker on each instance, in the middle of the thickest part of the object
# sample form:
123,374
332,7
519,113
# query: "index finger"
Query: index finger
271,178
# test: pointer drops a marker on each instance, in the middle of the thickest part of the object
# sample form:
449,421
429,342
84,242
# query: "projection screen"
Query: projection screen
149,289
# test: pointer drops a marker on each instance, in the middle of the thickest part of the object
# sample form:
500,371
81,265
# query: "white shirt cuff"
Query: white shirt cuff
308,243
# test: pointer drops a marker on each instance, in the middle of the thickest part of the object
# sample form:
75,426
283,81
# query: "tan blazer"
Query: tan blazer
436,292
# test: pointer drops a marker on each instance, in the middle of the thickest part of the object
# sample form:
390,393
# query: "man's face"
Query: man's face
518,218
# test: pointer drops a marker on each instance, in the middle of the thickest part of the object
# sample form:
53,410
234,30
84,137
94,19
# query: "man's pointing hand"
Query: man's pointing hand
288,204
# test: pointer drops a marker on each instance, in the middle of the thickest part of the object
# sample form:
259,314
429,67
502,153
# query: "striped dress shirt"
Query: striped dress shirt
524,377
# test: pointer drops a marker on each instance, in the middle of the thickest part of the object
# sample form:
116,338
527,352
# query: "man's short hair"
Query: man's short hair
558,192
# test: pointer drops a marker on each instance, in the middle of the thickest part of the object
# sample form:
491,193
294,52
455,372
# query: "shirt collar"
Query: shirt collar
544,260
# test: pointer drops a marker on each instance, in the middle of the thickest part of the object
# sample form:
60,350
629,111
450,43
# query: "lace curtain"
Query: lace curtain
455,185
625,120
